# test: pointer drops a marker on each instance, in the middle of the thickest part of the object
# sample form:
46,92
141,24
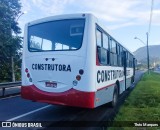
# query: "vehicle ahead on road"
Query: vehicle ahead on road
71,60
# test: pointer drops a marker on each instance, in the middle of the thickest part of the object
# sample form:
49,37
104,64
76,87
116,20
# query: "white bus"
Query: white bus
71,60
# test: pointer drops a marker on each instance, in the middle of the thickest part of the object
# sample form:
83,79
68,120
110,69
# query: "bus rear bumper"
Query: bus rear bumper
70,97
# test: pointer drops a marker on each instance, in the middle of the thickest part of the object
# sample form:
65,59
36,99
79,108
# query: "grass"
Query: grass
143,104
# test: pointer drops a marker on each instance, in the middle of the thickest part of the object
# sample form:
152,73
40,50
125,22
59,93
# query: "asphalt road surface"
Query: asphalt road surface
18,109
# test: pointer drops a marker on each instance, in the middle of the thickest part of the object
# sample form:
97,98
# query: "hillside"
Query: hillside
154,54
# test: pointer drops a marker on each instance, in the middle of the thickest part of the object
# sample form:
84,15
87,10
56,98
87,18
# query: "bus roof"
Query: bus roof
59,17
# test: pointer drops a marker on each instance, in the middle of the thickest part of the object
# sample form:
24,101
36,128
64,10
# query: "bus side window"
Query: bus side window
106,49
127,58
131,61
113,52
123,56
99,38
120,55
99,43
102,47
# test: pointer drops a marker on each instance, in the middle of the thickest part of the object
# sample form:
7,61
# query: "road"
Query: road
157,70
18,109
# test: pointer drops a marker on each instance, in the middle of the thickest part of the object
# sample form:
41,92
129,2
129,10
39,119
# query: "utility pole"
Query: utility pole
146,51
148,33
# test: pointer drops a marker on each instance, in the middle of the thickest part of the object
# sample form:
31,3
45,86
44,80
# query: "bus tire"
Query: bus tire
115,96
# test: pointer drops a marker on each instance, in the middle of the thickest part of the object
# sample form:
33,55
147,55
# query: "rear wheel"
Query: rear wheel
115,96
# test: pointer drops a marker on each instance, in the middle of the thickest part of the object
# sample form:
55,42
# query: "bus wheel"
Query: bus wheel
115,96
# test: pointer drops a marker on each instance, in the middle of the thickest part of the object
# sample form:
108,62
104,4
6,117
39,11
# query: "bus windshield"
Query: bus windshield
56,35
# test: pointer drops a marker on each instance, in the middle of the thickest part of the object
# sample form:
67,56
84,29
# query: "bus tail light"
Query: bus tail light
81,71
28,75
26,70
75,82
30,79
78,77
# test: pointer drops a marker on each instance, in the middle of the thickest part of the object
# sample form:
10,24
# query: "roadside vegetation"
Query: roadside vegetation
10,41
143,104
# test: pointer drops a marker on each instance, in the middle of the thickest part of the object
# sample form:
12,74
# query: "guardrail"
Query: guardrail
3,86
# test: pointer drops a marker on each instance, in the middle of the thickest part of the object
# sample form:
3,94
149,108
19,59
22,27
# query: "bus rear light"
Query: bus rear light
78,77
26,70
81,71
75,83
30,79
28,75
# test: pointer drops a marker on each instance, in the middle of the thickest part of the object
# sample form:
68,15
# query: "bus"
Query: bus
72,60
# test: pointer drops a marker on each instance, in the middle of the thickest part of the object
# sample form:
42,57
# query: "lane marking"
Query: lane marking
28,113
9,97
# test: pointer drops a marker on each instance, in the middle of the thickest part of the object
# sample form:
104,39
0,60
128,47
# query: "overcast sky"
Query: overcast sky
125,19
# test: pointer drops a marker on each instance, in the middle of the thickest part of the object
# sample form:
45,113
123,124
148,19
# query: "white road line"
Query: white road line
9,97
28,113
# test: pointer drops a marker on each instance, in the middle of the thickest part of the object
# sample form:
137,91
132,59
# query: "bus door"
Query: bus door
125,67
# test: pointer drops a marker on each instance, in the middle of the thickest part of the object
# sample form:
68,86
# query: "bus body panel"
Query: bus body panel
96,85
81,95
42,71
76,60
104,95
107,75
71,97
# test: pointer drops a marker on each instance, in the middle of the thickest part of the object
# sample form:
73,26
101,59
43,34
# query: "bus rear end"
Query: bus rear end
54,66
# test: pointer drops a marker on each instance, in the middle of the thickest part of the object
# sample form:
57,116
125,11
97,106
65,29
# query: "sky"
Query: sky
124,19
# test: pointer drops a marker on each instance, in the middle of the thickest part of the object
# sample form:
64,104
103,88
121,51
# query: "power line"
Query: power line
150,21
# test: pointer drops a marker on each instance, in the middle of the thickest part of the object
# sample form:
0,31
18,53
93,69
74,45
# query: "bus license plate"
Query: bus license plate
50,84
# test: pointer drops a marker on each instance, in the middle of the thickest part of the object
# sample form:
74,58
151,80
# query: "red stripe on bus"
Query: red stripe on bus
70,97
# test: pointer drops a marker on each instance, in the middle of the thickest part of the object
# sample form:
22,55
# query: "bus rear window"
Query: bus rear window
56,35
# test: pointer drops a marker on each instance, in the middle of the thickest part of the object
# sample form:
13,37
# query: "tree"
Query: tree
10,42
